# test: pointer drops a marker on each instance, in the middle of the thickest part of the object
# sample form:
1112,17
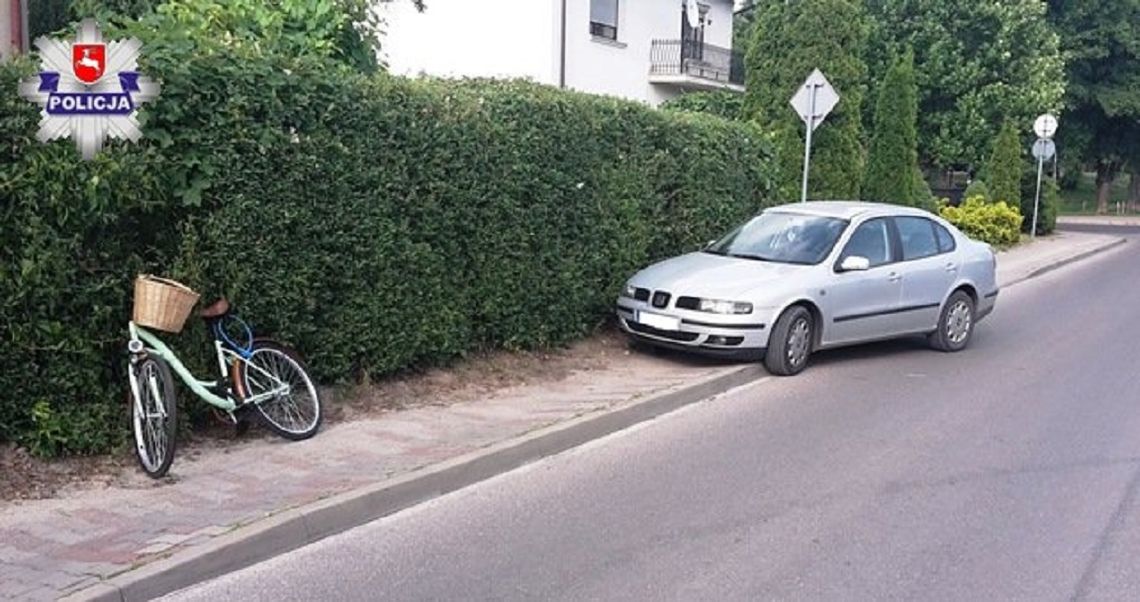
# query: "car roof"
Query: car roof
848,210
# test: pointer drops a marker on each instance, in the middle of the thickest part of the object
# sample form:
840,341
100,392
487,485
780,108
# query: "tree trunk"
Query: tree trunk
1104,177
1134,190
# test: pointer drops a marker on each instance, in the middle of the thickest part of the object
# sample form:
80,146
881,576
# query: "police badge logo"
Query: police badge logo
89,90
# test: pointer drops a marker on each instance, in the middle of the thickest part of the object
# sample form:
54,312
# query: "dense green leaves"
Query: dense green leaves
978,62
977,188
377,223
893,157
790,40
722,103
1004,169
348,29
997,223
1101,122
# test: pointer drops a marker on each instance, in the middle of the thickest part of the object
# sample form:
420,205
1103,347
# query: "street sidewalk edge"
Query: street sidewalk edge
1045,269
297,527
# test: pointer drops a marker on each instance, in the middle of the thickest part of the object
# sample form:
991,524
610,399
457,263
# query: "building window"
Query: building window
604,18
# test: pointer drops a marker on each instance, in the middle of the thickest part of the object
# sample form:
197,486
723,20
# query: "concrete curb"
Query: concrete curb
1045,269
1098,220
297,527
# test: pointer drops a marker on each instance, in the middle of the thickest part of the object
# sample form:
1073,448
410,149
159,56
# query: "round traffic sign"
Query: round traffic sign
1044,149
1045,126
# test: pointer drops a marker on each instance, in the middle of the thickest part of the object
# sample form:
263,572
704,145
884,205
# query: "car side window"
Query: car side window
917,235
945,239
871,239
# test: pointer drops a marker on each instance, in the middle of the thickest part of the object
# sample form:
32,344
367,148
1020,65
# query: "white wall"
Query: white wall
623,69
521,38
719,31
456,38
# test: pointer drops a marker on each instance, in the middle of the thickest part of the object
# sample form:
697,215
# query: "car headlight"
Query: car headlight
628,291
718,306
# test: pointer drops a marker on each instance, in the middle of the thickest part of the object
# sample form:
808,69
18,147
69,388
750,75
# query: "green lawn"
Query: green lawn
1082,199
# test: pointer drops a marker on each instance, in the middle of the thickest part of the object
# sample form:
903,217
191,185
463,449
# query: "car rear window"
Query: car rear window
917,236
945,239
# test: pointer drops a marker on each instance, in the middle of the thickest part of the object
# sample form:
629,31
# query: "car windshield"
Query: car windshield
782,238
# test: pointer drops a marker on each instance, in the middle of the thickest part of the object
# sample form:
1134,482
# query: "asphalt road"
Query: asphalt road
886,472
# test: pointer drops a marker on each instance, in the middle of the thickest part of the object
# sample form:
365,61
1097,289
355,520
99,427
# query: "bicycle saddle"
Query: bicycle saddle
216,309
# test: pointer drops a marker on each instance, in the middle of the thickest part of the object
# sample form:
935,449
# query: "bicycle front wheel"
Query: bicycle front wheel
154,415
292,408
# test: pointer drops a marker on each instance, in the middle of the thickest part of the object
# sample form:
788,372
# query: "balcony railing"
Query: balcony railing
696,59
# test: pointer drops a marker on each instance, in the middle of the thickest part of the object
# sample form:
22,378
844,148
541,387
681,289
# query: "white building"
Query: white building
648,50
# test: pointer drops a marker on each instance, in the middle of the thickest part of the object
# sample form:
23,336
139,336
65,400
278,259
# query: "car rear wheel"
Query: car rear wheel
955,325
791,342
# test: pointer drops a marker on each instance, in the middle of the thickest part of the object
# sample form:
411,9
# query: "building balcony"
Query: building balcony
693,65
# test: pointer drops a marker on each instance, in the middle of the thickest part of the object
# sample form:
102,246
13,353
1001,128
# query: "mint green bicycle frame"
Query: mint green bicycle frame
153,346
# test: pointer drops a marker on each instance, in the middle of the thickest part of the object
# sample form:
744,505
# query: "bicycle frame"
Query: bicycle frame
153,346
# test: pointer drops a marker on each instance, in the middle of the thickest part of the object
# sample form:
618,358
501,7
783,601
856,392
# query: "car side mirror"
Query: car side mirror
854,263
708,244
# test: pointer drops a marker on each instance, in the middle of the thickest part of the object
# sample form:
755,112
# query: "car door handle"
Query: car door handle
951,267
894,277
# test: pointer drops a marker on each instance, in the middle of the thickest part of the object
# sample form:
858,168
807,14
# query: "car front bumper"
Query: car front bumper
707,334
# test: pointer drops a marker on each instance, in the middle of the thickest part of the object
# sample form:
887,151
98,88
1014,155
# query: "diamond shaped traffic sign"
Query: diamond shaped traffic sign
815,99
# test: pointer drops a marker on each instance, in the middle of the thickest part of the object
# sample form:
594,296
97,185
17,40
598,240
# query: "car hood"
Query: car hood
716,276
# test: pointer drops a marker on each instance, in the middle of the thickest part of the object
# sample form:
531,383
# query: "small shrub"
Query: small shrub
994,223
923,196
977,188
1050,201
1004,169
1047,211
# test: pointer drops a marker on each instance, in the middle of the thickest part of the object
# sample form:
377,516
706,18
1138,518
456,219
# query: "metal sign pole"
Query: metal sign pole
807,144
1037,198
814,100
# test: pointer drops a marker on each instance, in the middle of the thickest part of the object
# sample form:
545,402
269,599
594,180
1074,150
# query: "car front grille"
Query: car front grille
660,299
672,335
641,294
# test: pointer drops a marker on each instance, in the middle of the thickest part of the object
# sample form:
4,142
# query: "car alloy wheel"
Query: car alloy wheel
799,342
958,322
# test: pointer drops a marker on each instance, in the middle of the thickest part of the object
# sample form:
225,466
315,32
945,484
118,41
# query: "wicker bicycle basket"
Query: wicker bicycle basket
162,304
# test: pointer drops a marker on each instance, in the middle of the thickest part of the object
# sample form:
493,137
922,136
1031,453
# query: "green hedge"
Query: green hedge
377,223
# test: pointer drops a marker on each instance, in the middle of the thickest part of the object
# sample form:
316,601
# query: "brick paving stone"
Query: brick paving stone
98,532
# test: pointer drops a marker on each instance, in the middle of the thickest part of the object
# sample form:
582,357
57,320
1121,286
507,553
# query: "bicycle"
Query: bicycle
259,376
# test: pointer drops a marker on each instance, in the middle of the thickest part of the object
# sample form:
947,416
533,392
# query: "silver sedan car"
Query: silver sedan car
809,276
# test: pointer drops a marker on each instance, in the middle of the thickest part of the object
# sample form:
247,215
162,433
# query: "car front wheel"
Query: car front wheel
955,325
789,346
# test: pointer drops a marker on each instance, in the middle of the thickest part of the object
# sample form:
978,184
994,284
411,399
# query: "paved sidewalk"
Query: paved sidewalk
1047,252
51,548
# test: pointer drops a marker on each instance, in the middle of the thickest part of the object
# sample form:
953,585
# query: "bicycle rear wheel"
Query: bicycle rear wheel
154,416
294,414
